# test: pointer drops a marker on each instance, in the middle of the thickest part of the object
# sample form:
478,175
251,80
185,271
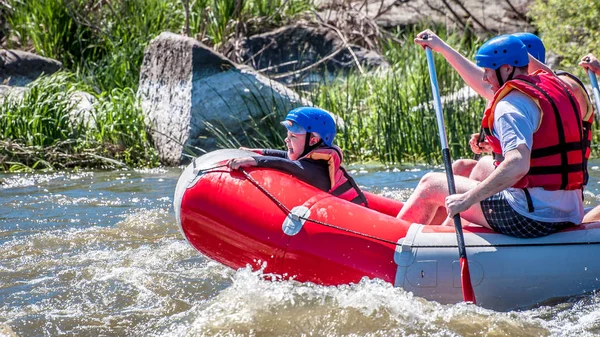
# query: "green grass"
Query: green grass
41,131
103,42
388,116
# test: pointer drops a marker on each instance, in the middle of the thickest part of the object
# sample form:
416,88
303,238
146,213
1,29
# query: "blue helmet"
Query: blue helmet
503,49
308,119
534,45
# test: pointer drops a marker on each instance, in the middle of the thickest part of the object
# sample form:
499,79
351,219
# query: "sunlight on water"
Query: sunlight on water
100,254
26,180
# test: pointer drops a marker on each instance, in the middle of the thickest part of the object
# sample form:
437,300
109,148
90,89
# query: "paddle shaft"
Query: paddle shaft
595,91
465,275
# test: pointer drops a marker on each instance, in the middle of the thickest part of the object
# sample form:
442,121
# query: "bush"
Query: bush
40,129
104,42
569,28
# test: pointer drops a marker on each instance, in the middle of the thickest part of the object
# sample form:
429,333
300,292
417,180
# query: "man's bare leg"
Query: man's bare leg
430,194
483,168
476,170
593,215
463,167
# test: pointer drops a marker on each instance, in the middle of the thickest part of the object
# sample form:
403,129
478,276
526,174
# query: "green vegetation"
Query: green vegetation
45,128
104,41
388,115
101,45
570,28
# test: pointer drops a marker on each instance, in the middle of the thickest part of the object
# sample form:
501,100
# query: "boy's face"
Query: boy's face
295,144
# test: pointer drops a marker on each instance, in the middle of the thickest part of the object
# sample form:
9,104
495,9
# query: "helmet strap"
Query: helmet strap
499,76
512,73
307,147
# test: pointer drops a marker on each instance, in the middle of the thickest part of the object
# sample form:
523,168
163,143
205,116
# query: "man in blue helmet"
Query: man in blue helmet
473,76
310,156
536,186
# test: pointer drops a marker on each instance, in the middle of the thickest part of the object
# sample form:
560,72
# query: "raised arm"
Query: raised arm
467,69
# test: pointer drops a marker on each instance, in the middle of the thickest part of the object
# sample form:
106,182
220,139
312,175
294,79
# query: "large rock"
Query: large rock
186,89
302,50
18,68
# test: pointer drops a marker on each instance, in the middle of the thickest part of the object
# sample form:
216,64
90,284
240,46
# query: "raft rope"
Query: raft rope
210,169
296,217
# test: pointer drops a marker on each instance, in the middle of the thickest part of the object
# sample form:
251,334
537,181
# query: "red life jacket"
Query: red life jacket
560,148
342,184
588,116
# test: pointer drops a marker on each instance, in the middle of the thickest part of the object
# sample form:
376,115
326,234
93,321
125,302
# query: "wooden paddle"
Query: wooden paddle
465,274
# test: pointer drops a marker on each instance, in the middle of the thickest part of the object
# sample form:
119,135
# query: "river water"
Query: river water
97,253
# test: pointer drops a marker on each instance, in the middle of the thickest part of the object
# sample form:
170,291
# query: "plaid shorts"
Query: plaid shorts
504,219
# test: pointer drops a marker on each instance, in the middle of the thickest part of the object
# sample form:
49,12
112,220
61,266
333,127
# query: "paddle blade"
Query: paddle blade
465,277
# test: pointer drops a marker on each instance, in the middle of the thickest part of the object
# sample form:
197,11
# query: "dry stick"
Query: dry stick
6,4
279,9
80,19
456,16
387,9
260,51
375,26
310,66
238,13
521,15
364,3
347,46
344,40
186,7
278,65
462,6
431,7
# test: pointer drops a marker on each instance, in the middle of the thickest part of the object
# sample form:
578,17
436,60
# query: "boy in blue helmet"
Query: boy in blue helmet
536,186
310,156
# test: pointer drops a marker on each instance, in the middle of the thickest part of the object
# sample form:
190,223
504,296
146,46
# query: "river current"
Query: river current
98,253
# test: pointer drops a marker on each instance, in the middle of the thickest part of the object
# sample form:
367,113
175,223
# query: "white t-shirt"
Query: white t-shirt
515,119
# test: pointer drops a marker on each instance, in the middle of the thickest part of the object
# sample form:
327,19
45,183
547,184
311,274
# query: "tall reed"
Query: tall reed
103,42
43,129
389,115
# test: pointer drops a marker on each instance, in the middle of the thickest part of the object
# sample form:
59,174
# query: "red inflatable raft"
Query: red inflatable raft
264,216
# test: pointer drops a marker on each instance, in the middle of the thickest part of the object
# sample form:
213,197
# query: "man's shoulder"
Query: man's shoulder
516,104
515,96
516,100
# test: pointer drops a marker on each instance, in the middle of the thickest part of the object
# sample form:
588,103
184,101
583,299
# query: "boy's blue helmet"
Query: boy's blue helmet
309,119
503,49
534,45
